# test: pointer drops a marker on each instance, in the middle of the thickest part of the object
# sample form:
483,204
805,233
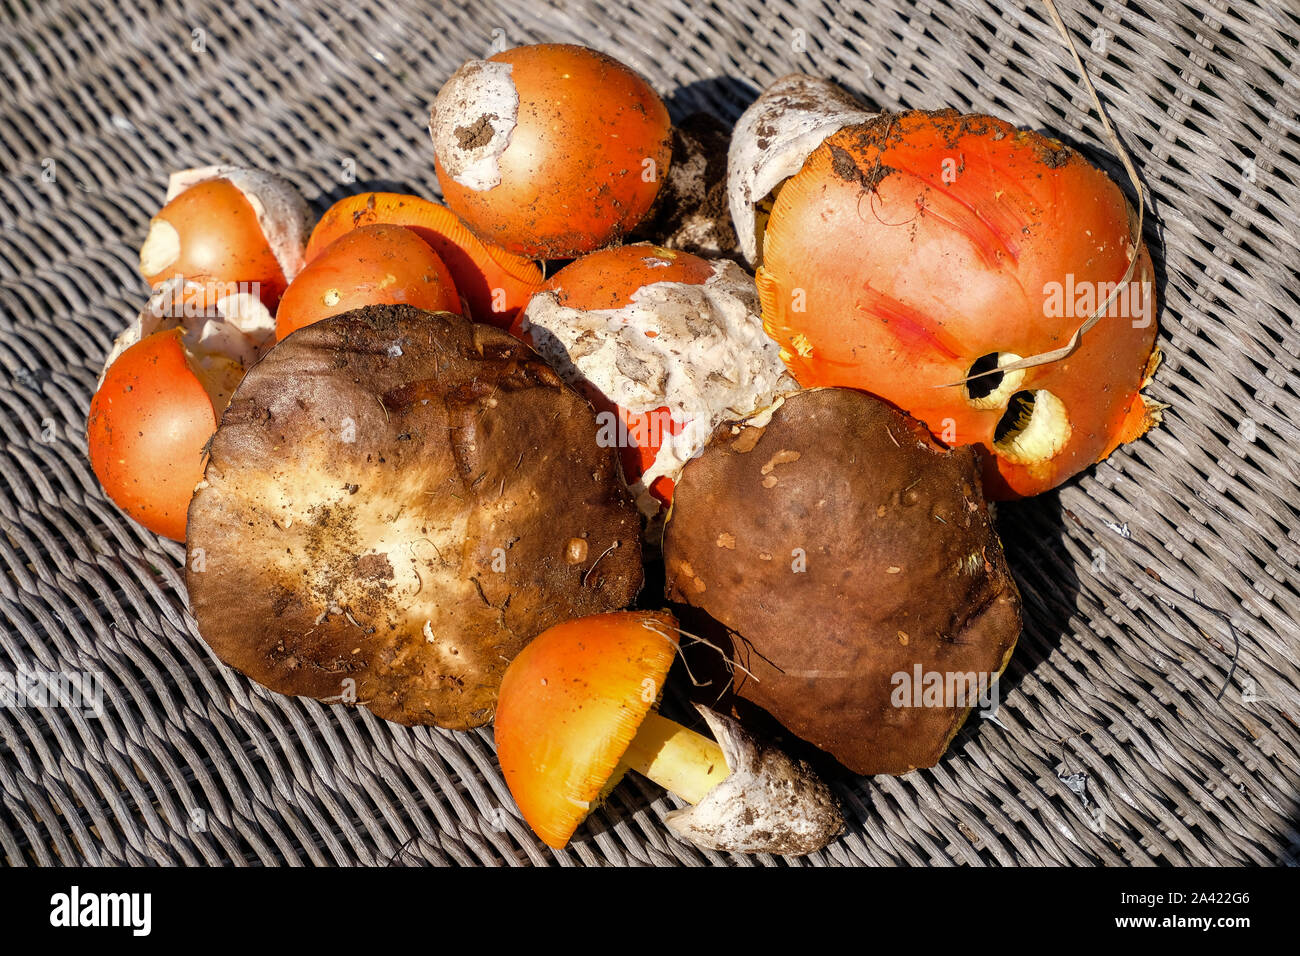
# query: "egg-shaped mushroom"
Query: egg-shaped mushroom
919,255
578,710
163,387
226,230
550,150
380,264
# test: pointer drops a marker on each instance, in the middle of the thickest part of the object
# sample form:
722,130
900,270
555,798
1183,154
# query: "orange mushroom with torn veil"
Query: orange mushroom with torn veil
951,264
226,230
665,345
577,710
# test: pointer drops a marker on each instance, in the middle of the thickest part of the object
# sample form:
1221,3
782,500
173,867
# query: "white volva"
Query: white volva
774,137
698,350
472,120
238,326
768,802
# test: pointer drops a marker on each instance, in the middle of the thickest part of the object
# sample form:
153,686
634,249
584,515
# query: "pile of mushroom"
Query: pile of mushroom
416,475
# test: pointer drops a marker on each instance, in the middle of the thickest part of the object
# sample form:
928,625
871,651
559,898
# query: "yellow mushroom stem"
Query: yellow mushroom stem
679,760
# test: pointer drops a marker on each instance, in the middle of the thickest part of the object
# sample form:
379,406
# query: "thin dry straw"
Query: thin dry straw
731,665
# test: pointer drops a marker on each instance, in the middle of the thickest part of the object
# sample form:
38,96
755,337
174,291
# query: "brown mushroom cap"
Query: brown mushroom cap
395,503
841,546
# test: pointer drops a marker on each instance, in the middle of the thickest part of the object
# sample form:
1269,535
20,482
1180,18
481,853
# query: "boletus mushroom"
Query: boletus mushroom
577,711
395,503
853,563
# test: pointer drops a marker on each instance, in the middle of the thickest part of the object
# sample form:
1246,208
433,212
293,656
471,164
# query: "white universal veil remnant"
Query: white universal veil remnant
236,330
767,803
697,350
471,122
771,141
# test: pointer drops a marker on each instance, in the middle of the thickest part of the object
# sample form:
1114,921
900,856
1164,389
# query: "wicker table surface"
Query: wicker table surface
1149,715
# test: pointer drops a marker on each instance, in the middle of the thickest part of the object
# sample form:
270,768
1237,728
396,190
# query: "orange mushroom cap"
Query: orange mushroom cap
909,248
371,265
608,278
581,165
149,423
496,283
570,704
211,235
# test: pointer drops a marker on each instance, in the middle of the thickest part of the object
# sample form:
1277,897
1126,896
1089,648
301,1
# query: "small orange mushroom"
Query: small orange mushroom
576,711
226,230
165,384
147,428
495,283
371,265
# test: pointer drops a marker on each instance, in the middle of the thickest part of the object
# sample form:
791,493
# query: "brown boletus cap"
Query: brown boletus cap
395,503
851,559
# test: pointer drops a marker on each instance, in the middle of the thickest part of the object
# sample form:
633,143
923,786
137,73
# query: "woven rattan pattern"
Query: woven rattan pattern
1141,579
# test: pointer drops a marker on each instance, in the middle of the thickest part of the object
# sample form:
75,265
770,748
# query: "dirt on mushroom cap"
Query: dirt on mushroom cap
588,147
388,512
840,546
